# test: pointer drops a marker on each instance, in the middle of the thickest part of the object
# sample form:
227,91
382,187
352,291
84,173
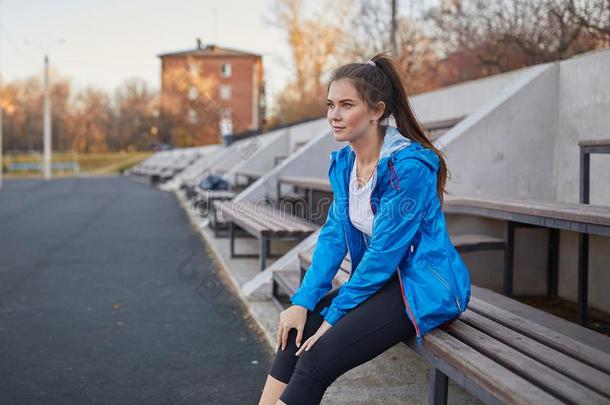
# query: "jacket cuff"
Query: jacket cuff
332,314
299,298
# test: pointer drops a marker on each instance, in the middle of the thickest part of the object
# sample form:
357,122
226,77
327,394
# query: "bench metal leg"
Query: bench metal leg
553,264
583,241
309,204
585,164
232,238
509,258
215,222
583,277
437,394
264,251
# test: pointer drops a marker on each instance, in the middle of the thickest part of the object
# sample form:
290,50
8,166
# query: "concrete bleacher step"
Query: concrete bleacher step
286,281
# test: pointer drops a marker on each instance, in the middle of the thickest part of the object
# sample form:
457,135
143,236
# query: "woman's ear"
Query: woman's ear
379,110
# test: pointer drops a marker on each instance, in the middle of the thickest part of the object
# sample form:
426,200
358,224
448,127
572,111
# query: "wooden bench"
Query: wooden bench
555,216
250,175
309,185
502,351
203,202
263,222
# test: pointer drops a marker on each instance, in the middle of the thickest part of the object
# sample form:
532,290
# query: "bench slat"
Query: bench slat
289,221
282,226
265,221
501,382
245,217
546,336
529,368
586,213
242,220
214,194
581,372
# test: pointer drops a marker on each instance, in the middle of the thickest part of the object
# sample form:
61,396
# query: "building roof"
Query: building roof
209,50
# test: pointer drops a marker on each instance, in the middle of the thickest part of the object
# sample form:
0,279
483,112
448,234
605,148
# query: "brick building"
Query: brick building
210,91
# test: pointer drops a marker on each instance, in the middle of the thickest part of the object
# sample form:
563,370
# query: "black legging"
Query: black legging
362,334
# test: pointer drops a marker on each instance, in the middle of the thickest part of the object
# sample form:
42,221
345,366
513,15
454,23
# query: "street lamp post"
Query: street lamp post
47,122
46,137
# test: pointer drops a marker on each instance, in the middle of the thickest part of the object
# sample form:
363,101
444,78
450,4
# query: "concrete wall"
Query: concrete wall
504,149
461,99
523,143
264,156
583,112
244,150
312,160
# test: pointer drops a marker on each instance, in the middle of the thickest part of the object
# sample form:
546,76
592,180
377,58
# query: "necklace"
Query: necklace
360,181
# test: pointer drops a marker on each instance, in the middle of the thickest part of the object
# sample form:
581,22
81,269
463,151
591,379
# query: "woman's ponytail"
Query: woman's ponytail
384,81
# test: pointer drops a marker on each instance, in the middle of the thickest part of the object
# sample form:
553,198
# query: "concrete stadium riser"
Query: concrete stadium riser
259,155
462,99
313,159
524,144
244,151
582,113
263,159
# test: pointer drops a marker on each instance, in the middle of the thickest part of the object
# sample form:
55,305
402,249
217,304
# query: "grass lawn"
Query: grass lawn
110,163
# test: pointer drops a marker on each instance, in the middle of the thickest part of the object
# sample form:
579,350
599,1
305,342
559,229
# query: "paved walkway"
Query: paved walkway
107,295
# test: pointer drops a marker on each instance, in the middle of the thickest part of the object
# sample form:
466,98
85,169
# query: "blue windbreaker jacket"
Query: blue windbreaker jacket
409,236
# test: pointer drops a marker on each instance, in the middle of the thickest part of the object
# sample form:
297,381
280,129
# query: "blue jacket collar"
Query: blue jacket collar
395,146
392,141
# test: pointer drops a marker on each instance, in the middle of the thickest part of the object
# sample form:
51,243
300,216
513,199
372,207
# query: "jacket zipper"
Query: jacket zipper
402,290
407,304
446,284
349,251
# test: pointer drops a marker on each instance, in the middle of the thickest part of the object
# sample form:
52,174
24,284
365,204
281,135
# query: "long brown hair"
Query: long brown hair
385,82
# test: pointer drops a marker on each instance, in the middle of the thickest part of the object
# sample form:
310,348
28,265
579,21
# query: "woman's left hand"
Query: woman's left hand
314,338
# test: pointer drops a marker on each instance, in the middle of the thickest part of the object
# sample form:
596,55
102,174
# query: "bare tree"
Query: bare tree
313,41
492,37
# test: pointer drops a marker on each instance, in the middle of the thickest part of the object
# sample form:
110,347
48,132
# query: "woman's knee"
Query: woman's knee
313,365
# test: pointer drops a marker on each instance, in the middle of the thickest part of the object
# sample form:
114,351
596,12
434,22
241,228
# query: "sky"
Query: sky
106,42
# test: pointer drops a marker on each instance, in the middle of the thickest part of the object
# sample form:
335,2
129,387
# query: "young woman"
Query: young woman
407,277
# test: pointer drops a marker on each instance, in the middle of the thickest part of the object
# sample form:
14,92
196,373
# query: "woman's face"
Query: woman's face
348,114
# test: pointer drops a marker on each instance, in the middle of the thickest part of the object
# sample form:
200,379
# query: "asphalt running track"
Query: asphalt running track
108,296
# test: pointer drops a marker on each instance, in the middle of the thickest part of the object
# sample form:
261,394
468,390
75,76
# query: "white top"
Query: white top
360,211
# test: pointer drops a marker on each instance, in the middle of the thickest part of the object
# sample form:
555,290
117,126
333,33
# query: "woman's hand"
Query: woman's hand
314,338
292,317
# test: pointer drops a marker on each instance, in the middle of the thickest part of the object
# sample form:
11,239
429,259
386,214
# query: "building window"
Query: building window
193,93
225,70
193,69
225,92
